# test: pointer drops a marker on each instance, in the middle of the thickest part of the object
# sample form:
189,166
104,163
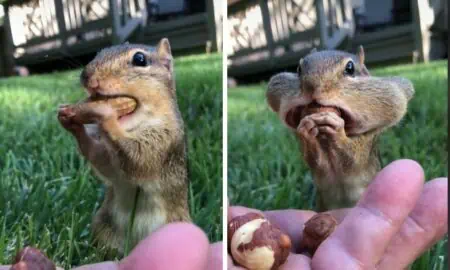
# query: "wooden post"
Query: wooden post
115,21
2,56
267,28
61,23
211,25
321,25
8,52
420,29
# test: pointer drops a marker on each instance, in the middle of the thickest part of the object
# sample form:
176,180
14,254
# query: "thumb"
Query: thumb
181,246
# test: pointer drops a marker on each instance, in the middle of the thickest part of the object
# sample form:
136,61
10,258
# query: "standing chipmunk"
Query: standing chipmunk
131,131
337,111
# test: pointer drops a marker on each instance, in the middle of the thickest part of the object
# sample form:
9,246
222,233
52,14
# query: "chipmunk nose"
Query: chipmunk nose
84,77
310,87
89,81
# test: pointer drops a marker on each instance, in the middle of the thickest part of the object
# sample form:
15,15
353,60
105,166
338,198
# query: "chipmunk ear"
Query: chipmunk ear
299,67
165,54
361,54
361,58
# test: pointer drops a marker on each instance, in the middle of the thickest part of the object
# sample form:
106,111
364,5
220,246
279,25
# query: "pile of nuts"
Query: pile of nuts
256,244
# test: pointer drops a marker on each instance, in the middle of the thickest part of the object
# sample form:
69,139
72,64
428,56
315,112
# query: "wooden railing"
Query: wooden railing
269,34
335,22
72,26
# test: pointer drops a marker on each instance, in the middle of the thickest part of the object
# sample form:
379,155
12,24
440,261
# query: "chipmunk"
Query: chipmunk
131,131
337,111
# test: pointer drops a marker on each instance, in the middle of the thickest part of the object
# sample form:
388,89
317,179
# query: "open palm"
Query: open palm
395,221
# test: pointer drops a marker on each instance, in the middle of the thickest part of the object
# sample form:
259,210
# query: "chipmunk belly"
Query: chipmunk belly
339,191
150,215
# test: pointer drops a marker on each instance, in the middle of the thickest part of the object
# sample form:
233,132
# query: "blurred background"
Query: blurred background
45,35
268,36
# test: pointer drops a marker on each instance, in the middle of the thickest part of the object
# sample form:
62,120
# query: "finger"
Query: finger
339,214
175,246
215,258
98,266
362,237
327,129
297,262
290,222
8,267
293,262
426,224
329,119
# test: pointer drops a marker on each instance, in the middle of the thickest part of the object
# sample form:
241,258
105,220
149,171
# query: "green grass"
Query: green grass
265,169
48,194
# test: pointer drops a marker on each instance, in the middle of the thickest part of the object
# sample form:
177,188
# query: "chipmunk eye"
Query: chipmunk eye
139,60
350,68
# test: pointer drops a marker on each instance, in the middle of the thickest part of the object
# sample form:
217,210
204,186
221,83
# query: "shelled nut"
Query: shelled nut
257,244
316,230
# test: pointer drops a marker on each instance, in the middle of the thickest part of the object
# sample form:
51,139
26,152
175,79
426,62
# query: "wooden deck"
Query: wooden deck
395,42
267,37
184,33
58,29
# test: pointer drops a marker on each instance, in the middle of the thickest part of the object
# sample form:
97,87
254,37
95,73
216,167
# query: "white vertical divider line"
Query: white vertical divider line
224,134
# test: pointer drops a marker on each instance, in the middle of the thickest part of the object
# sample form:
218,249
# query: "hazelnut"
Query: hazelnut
122,105
257,244
31,258
316,230
315,108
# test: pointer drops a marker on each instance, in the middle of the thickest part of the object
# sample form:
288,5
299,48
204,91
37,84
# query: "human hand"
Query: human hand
180,246
396,220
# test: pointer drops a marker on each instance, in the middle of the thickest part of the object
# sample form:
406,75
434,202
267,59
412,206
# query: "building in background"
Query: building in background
269,35
40,32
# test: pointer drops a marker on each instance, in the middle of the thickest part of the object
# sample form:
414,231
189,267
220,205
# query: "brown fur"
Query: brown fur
147,151
343,159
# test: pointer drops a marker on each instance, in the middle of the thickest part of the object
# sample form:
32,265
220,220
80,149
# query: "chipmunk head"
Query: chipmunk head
140,72
340,82
321,71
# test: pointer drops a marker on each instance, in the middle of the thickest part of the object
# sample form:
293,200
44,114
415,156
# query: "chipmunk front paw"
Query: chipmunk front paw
323,123
96,113
66,115
85,113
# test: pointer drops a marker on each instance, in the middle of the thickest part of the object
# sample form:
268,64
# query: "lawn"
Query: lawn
265,168
48,193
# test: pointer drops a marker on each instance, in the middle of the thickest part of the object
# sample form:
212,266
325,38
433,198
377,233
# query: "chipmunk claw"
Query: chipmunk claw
328,119
66,111
66,116
321,124
308,128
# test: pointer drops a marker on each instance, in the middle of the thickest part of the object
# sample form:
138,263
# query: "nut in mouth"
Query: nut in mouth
122,104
